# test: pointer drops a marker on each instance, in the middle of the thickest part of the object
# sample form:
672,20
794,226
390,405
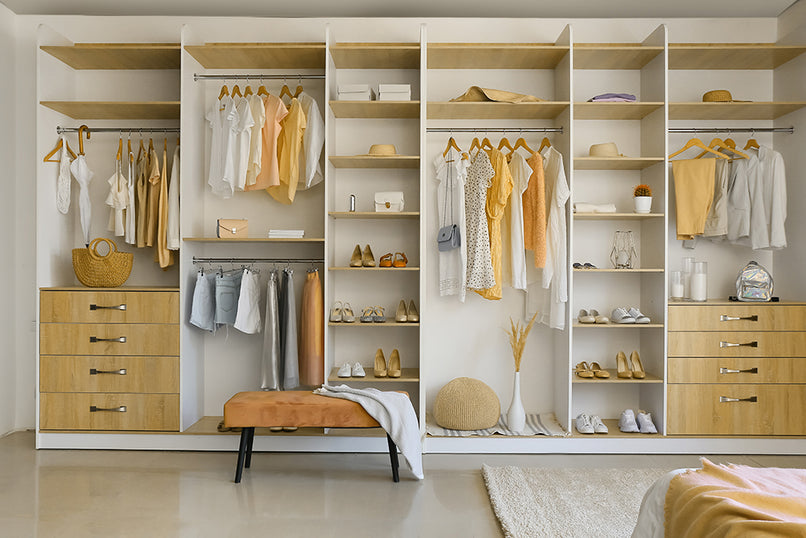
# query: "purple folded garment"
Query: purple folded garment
611,97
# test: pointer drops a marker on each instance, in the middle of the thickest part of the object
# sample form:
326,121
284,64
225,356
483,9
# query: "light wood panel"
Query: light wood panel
390,322
490,110
724,370
614,111
731,55
66,411
376,55
615,379
142,374
386,269
495,55
374,215
769,317
116,110
370,161
732,111
302,55
407,375
77,306
613,55
616,216
117,55
707,344
376,109
615,163
696,409
141,339
255,239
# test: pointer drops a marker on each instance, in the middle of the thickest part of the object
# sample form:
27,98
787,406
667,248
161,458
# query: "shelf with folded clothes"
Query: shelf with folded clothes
617,110
372,161
376,109
116,110
713,56
616,216
614,55
407,375
374,214
756,110
298,55
376,55
117,55
495,55
614,378
488,110
615,163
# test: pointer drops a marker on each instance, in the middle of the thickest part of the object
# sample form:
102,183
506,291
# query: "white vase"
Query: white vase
516,416
643,204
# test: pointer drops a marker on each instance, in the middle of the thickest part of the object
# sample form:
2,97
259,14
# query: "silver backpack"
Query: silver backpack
754,283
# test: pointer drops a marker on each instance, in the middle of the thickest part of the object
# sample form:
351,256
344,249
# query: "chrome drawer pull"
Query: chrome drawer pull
724,317
724,399
735,371
733,344
122,371
121,409
94,339
118,307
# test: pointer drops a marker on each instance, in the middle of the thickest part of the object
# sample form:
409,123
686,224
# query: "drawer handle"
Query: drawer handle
724,317
121,409
94,371
735,371
724,399
734,344
117,307
94,339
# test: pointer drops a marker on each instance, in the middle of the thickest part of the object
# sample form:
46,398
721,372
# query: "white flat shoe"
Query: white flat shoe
358,370
599,319
627,422
645,424
639,317
598,425
345,371
583,424
585,317
620,315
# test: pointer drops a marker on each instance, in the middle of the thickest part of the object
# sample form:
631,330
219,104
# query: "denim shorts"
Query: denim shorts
227,290
202,312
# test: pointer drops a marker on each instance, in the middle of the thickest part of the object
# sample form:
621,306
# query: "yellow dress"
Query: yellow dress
289,147
497,197
152,209
162,255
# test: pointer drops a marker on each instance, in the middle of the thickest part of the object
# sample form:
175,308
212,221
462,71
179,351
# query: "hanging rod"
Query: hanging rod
494,130
695,130
197,259
60,130
295,76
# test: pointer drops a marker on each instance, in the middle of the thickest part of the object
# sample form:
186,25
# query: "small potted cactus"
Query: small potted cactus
643,198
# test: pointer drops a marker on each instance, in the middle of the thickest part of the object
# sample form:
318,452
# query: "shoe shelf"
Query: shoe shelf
731,55
613,431
369,161
615,163
255,239
438,110
376,55
644,270
615,379
117,55
613,55
390,322
376,109
387,269
116,110
733,111
578,325
614,111
407,375
495,55
374,215
616,216
302,55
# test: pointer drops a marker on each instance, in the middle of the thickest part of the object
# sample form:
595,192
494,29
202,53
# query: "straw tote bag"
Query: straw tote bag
97,271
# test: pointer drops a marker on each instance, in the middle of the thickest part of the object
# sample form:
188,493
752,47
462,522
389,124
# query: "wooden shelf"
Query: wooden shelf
259,55
373,215
614,111
613,55
578,325
376,109
613,431
370,161
732,111
117,55
615,163
208,425
376,55
390,322
255,239
731,55
489,110
616,216
116,110
618,380
649,270
387,269
495,55
407,375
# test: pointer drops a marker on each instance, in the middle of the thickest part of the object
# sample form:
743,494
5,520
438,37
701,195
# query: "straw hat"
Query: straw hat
608,149
720,96
382,150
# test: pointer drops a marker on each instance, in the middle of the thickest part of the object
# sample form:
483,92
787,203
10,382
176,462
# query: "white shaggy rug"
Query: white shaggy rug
533,502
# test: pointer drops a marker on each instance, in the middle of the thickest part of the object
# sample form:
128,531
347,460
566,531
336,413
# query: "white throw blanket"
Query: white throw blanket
395,414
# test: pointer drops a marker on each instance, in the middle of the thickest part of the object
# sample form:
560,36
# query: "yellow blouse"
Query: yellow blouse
497,197
289,147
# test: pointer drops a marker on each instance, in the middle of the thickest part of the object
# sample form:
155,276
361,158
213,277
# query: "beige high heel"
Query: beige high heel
621,364
380,364
367,258
355,259
638,371
412,315
394,364
400,314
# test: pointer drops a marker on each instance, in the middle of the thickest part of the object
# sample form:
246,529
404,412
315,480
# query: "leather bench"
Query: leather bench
301,409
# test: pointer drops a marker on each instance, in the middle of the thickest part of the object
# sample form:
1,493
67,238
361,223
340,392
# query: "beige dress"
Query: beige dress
163,256
141,199
152,207
312,333
269,174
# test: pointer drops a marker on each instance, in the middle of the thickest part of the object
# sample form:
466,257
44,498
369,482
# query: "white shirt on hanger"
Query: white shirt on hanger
63,183
247,318
451,173
118,201
310,170
173,204
773,178
739,199
242,134
514,256
256,139
221,172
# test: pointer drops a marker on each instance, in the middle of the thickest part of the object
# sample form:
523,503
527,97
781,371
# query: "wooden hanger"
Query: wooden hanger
504,143
521,143
696,142
751,144
730,143
474,144
165,144
285,90
545,143
299,89
129,144
150,144
236,91
81,130
119,156
262,90
486,144
718,143
53,152
248,90
224,91
451,144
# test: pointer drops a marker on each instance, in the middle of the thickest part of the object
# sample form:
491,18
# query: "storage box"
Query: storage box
355,92
394,92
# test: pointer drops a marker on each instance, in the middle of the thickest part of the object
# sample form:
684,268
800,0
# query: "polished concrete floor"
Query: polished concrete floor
69,493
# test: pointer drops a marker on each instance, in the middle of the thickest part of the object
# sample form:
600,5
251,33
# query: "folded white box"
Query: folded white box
394,92
355,92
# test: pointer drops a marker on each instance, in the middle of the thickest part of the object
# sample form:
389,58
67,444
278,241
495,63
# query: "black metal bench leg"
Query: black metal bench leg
241,454
249,442
393,458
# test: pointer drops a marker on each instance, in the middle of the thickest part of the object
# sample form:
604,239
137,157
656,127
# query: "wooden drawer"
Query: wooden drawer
762,317
698,410
130,339
753,344
64,411
737,370
108,374
109,306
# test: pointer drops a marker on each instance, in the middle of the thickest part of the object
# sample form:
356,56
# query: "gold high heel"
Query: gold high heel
394,364
367,259
638,371
621,364
355,259
400,314
412,316
380,364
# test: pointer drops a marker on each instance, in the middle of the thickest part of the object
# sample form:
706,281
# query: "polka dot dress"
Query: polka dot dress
480,275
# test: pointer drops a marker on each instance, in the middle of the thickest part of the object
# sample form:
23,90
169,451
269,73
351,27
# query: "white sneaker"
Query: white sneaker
598,425
583,424
645,423
639,317
620,315
358,370
627,422
345,371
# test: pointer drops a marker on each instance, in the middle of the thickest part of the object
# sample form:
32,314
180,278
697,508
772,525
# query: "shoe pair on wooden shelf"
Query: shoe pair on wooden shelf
362,259
342,312
399,260
381,369
355,370
407,314
632,369
590,371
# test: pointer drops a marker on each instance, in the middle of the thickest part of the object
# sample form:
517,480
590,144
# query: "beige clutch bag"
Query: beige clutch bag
229,228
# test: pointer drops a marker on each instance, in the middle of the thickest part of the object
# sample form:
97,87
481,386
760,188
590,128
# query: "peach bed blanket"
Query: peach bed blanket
735,500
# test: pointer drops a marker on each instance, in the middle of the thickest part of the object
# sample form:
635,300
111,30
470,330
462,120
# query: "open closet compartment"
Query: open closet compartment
470,340
374,147
617,254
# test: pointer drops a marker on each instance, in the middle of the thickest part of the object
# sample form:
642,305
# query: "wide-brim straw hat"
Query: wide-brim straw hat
607,149
720,96
382,150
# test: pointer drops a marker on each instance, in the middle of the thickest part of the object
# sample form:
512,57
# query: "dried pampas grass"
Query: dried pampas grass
517,339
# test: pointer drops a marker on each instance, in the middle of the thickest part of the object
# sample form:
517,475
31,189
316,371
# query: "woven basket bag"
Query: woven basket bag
96,271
